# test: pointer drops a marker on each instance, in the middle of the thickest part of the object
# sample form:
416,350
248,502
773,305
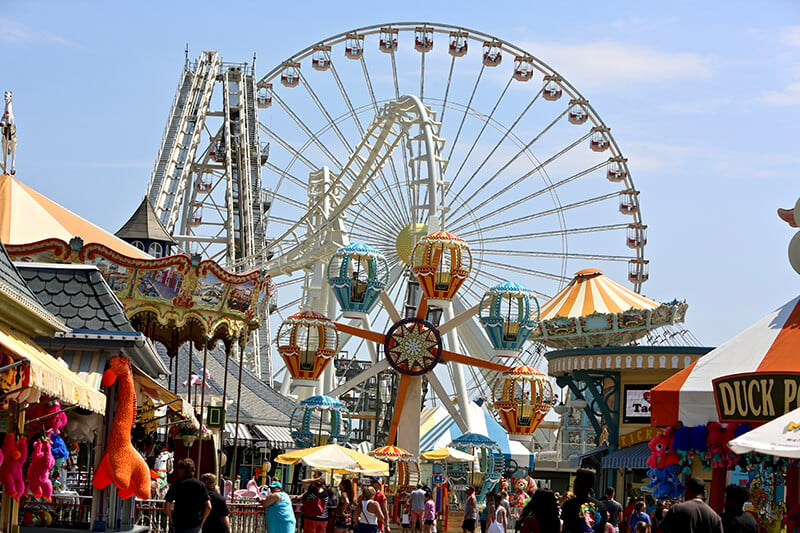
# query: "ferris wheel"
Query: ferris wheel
386,133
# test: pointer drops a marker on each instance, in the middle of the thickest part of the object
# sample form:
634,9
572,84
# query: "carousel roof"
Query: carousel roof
27,216
591,292
769,345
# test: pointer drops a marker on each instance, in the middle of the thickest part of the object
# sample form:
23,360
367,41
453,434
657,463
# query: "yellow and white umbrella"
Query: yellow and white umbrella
336,459
448,455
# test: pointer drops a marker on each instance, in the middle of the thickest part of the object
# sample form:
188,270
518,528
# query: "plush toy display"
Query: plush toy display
45,416
38,475
662,454
716,454
122,465
521,487
15,453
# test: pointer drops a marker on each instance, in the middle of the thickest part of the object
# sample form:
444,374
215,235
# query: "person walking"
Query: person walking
417,508
734,519
315,506
186,503
613,507
693,515
470,511
343,515
583,513
487,513
278,510
429,514
500,521
368,512
380,497
639,515
541,514
217,521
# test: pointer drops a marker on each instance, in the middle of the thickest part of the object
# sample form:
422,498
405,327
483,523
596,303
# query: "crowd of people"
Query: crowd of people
194,505
580,512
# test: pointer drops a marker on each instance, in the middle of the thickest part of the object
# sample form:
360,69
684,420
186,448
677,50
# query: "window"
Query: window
155,249
138,244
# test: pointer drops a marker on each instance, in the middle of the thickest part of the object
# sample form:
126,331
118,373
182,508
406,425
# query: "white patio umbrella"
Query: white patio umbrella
336,459
779,437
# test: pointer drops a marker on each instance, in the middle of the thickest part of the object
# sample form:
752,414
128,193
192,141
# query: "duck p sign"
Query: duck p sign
756,396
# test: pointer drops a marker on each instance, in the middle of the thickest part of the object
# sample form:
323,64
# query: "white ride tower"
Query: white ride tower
206,182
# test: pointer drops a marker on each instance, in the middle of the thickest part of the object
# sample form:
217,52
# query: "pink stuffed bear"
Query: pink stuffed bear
38,476
15,453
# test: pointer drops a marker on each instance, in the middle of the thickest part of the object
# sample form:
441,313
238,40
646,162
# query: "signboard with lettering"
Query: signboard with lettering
637,404
756,396
640,435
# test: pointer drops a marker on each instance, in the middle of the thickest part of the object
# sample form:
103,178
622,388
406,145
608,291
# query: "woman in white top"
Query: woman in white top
368,513
500,519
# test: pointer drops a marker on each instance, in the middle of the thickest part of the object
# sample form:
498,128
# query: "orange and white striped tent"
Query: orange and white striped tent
770,345
592,292
27,216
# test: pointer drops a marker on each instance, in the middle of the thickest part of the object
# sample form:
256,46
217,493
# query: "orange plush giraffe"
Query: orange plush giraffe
122,465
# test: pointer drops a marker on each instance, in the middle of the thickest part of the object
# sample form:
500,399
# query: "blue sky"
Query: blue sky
703,99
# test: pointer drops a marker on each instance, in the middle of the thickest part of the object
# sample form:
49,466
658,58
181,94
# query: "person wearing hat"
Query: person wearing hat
470,511
380,497
278,510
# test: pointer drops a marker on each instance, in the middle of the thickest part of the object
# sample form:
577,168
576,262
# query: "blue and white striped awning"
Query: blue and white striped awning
633,457
446,431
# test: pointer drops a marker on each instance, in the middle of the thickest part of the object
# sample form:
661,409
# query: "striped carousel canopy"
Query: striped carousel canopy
391,453
592,292
595,311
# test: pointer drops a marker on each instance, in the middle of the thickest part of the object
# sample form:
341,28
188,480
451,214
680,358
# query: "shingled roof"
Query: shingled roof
78,294
13,285
260,403
144,224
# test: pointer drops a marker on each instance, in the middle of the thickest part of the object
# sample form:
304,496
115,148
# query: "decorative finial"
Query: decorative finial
792,217
8,132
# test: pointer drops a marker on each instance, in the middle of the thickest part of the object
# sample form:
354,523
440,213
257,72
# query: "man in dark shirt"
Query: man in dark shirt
693,515
734,519
613,507
186,503
217,521
583,513
315,507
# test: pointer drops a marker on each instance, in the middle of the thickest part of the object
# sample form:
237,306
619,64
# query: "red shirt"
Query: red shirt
380,497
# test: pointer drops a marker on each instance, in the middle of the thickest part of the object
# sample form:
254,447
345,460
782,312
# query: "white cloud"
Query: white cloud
609,64
17,33
787,97
791,35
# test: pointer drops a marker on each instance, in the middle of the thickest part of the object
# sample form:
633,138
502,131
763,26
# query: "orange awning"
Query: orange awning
27,216
49,375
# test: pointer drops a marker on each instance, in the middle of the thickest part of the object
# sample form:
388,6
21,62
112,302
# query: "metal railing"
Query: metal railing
245,517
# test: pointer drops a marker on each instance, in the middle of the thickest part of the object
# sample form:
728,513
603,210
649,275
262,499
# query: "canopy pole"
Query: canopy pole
202,402
225,411
238,400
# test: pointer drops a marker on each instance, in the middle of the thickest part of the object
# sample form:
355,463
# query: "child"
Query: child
405,521
429,514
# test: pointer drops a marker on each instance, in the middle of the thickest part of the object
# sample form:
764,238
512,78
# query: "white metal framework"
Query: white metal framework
497,148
